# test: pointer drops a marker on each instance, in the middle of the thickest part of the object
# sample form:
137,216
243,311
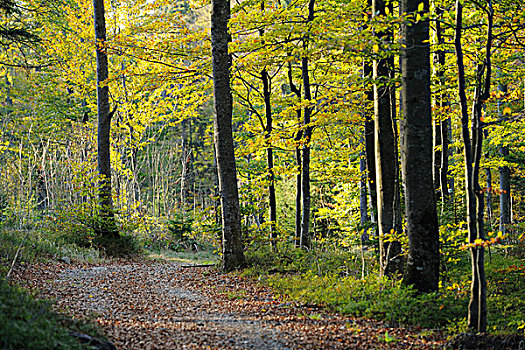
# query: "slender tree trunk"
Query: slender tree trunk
504,195
488,175
104,123
298,176
436,156
422,270
232,247
385,155
504,181
477,310
305,174
370,147
272,203
363,201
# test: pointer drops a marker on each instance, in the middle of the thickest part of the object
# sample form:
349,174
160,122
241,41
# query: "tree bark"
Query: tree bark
422,270
504,195
444,125
108,227
386,156
272,202
477,309
370,147
298,176
305,173
504,181
232,247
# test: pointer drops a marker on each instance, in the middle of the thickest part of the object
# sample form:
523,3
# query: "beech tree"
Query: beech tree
232,247
386,162
422,268
477,310
104,123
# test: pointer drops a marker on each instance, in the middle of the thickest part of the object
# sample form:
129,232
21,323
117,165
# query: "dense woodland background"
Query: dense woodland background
320,118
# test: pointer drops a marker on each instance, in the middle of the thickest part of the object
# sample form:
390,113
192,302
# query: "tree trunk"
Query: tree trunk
488,174
272,203
504,195
370,147
305,173
436,156
232,247
504,181
298,176
108,227
363,201
477,309
385,156
422,270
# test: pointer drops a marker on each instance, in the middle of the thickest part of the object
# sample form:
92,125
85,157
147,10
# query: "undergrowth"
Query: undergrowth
348,282
26,323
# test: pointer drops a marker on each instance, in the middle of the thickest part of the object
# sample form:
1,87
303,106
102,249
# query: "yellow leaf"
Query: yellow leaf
376,48
507,110
387,11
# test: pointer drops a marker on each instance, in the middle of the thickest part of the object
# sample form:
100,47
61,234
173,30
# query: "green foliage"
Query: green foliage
285,258
373,296
82,225
334,278
506,297
29,324
39,245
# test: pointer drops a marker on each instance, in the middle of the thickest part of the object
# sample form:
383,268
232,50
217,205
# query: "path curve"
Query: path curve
160,305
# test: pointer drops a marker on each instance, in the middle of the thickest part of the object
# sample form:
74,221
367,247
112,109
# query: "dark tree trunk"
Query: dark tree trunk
363,201
298,176
436,157
504,195
305,173
445,123
272,203
232,247
422,270
488,175
370,139
370,148
477,310
108,227
504,181
386,156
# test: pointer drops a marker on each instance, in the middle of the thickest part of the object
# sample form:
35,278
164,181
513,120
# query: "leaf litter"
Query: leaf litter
161,305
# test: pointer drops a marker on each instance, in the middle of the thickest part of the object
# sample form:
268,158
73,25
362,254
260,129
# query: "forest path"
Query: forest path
161,305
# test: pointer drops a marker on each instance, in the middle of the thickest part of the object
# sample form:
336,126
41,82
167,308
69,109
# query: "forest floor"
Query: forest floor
160,304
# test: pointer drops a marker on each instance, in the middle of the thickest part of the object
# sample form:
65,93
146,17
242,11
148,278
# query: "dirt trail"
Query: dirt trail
160,305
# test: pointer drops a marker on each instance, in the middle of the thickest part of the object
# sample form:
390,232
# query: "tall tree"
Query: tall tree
104,123
232,247
477,310
305,166
268,129
386,158
504,178
298,159
422,269
444,123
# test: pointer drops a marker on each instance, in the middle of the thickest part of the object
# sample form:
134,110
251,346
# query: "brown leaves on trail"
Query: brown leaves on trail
159,305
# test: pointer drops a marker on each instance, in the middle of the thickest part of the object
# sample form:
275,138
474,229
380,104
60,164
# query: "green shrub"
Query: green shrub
29,324
373,297
41,245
